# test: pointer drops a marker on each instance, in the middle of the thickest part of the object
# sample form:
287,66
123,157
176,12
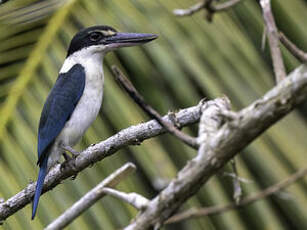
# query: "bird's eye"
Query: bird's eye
95,36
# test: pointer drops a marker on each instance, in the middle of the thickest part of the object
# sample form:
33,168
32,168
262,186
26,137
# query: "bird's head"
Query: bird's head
102,39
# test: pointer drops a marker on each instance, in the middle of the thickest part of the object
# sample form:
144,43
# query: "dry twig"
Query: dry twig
272,33
237,189
91,197
191,10
224,6
134,199
294,50
219,209
207,5
134,94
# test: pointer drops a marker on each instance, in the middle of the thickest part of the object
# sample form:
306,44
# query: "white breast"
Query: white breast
87,108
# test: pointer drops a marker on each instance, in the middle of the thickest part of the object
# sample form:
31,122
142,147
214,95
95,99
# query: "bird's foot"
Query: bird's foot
73,152
69,162
66,157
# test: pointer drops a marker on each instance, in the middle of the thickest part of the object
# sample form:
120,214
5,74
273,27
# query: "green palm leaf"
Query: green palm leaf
191,60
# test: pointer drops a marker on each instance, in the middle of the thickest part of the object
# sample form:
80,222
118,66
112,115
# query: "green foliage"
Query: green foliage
191,59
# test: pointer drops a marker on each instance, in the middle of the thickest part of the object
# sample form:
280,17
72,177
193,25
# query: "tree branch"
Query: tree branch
225,5
207,5
137,97
96,152
219,209
237,189
91,197
294,50
181,187
272,33
234,132
191,10
134,199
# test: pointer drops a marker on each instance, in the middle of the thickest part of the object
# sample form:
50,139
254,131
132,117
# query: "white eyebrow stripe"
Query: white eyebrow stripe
105,32
108,32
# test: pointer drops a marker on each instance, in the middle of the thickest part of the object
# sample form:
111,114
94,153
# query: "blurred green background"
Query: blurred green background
192,59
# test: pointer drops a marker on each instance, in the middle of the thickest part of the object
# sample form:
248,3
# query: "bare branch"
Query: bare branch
272,33
237,189
96,152
219,209
233,133
193,9
136,200
207,5
91,197
296,52
224,6
241,179
134,94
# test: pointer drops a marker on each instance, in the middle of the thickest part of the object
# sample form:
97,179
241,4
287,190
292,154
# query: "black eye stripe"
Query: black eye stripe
83,37
95,36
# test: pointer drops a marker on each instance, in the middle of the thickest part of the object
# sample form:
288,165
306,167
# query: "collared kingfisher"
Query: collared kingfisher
76,97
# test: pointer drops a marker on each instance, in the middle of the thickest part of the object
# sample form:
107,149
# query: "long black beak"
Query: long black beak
128,39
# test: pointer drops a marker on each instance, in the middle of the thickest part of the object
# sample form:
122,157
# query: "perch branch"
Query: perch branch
91,197
221,142
94,153
219,209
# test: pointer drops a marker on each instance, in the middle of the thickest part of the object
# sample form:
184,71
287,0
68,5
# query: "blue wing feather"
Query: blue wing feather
59,106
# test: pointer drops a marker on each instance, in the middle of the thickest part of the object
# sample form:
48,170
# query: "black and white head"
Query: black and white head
102,39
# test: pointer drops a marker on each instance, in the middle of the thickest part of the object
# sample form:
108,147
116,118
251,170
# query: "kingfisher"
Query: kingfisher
75,99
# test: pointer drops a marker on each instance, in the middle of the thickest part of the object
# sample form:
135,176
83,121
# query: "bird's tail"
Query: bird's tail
39,185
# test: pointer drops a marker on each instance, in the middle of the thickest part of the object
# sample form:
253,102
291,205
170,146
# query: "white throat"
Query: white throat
87,57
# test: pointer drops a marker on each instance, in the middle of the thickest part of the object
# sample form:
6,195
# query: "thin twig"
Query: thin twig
224,6
272,33
241,179
212,8
134,199
219,209
207,5
191,10
137,97
237,189
91,197
296,52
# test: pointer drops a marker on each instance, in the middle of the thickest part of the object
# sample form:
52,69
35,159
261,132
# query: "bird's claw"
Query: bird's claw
73,152
70,163
69,160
